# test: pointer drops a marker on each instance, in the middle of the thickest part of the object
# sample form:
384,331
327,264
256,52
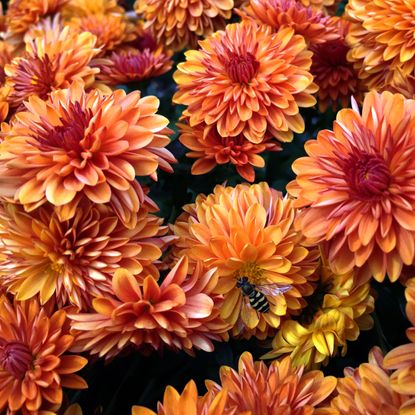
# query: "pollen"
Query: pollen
252,271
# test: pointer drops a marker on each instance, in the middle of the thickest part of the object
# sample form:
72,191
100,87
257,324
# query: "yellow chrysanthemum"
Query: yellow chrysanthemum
179,24
336,313
247,231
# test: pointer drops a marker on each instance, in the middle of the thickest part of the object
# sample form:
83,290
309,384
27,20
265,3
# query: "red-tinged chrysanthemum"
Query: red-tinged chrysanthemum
179,24
402,358
335,76
311,24
188,403
357,188
248,231
133,66
52,61
84,144
181,313
111,30
335,314
247,80
34,366
210,149
21,14
73,261
366,390
256,389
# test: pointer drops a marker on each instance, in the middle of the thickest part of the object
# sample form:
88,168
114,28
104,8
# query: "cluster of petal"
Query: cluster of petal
82,8
84,144
335,76
366,390
34,365
247,81
313,25
74,260
402,358
252,390
22,14
336,312
188,403
133,65
181,313
280,388
381,40
248,231
53,60
357,188
179,24
210,150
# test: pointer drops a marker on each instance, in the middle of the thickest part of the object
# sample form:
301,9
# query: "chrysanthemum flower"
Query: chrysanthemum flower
34,366
336,312
311,24
188,403
358,189
335,76
179,24
181,313
133,66
401,84
6,50
277,389
248,231
83,8
210,149
366,390
402,358
74,260
389,26
247,80
52,61
325,6
21,14
111,30
79,143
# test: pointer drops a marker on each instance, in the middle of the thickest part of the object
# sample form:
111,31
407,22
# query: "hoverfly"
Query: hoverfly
257,294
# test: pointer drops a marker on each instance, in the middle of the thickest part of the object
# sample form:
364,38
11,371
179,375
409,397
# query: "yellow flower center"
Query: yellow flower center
252,271
58,268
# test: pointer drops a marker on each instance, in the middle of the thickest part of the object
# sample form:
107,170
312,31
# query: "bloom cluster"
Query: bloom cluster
90,270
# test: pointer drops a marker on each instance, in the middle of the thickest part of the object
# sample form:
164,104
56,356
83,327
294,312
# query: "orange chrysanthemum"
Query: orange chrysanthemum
210,149
133,66
73,261
278,389
181,313
248,231
358,189
34,365
326,6
111,30
188,403
401,84
402,358
83,8
335,76
6,51
247,80
179,24
79,143
366,390
21,14
53,60
382,38
335,314
305,21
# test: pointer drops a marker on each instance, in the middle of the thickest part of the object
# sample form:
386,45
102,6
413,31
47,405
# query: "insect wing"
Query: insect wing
273,290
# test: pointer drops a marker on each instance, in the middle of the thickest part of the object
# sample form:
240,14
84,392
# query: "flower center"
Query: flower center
15,358
251,271
68,135
242,68
367,175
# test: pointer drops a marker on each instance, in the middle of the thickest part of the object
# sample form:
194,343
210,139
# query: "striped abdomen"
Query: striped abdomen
258,301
